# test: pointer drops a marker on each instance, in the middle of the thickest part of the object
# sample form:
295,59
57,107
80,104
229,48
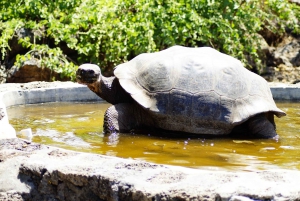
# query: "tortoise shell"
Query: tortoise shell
196,90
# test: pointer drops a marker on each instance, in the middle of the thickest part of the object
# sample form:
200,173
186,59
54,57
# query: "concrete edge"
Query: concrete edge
51,94
286,92
65,93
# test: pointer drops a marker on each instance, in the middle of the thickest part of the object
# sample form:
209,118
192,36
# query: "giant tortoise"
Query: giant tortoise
190,90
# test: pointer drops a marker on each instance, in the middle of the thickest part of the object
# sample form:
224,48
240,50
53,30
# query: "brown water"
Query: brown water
78,126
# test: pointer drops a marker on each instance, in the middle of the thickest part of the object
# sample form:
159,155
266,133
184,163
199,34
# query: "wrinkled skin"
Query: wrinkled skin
125,114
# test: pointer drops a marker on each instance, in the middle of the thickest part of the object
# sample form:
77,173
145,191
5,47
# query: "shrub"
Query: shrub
108,32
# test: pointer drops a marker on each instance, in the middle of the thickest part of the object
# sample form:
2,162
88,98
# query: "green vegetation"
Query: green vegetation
66,33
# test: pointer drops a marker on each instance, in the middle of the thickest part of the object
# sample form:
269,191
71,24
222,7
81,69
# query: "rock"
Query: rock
16,47
283,61
31,71
6,130
288,52
3,74
295,1
239,198
31,171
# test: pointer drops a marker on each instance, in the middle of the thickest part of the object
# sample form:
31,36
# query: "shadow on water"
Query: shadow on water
78,126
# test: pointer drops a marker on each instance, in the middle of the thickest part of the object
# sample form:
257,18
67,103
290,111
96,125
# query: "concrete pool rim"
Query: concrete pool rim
126,178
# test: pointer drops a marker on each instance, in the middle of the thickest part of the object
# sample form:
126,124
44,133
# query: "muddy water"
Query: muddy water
78,126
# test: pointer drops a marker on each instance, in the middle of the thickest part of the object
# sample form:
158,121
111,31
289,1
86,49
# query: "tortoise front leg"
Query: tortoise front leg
121,117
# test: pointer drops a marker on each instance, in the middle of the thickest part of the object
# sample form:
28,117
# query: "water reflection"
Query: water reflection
79,127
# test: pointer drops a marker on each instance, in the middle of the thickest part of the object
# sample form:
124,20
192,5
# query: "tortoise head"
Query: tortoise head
88,74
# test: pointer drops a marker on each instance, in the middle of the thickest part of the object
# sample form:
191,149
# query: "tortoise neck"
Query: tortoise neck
109,89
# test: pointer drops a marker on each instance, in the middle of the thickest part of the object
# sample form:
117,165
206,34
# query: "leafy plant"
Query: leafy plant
109,32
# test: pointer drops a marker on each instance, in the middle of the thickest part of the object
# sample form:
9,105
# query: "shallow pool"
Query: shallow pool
78,126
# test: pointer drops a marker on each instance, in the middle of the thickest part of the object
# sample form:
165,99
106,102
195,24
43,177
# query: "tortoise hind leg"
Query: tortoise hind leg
262,126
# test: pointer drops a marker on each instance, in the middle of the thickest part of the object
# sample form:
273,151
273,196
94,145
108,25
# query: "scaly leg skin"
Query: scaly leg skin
263,126
120,118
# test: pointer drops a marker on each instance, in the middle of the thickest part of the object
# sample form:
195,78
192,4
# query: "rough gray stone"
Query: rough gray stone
35,172
284,62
